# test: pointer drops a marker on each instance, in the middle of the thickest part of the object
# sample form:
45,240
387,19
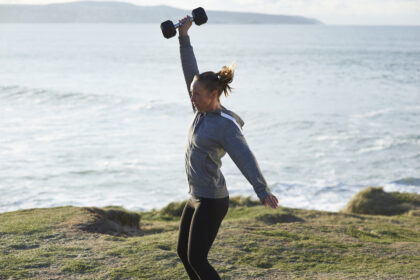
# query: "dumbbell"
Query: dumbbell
169,29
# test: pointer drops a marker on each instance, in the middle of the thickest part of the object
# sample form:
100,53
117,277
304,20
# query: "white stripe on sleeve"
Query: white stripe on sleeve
231,118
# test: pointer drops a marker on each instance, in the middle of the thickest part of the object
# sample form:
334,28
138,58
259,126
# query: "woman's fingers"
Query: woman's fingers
272,201
183,20
186,19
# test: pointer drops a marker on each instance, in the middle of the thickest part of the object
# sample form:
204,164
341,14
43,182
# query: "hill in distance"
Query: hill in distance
120,12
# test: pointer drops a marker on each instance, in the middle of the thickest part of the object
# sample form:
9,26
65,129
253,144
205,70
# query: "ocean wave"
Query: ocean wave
383,112
72,99
328,197
159,106
379,144
409,181
372,114
371,144
40,95
264,125
327,137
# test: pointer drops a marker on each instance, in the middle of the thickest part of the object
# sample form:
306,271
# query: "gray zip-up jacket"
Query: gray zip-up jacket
210,136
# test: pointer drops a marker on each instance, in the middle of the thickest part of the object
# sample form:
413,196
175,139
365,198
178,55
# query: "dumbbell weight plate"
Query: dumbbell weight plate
168,29
199,16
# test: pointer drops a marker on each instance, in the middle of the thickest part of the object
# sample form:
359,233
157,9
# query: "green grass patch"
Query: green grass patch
79,266
254,242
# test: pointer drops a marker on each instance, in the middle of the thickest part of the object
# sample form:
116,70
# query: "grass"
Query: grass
253,242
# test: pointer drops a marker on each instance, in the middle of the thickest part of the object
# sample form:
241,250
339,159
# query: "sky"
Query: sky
340,12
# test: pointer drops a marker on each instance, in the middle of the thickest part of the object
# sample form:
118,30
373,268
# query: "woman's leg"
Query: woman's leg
184,230
205,224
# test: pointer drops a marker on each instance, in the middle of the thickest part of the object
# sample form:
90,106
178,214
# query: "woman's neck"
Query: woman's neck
216,105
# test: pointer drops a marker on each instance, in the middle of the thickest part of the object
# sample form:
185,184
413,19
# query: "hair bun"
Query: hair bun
225,76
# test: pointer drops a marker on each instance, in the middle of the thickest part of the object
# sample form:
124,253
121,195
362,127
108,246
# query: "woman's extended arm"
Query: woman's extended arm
234,143
188,61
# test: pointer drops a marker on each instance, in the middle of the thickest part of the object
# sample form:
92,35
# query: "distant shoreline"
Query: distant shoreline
218,23
121,12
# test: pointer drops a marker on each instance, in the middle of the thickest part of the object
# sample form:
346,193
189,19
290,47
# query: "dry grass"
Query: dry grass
110,221
374,201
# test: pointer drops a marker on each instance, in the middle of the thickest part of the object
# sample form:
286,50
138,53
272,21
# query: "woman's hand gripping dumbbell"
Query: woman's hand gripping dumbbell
185,24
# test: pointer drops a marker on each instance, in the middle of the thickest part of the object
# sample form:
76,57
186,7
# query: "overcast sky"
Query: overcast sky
358,12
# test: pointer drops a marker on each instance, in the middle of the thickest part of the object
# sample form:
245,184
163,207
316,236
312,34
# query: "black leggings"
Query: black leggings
200,222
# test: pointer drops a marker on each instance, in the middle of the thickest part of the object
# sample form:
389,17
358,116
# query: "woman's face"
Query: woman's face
201,98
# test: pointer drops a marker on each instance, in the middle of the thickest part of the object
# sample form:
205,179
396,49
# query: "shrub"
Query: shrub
172,210
373,200
112,220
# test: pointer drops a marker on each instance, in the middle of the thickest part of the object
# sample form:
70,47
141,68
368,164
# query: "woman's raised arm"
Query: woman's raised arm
188,61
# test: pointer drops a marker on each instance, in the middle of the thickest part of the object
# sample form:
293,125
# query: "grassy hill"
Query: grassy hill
254,242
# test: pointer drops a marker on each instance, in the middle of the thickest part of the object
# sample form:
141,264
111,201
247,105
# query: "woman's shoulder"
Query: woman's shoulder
232,117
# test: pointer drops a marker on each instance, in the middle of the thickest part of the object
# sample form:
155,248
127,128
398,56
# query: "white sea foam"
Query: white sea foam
379,144
372,113
331,137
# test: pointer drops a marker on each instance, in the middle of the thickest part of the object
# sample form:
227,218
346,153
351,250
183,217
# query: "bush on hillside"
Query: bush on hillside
172,210
111,220
375,201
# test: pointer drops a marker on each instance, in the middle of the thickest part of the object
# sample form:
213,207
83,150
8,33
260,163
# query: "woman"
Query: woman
213,132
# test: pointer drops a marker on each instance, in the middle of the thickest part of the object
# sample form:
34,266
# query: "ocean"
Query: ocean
97,114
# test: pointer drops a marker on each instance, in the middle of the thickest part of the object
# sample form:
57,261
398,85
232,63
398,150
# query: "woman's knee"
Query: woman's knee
182,252
196,259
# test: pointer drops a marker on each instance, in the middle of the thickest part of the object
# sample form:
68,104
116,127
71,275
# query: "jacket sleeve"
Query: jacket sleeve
234,143
188,61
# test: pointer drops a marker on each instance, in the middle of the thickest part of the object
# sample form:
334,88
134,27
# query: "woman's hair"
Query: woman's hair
217,80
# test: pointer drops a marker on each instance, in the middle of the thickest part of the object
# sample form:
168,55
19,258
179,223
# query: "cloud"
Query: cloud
356,7
341,11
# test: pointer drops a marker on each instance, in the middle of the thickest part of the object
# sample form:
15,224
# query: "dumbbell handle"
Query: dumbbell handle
176,25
